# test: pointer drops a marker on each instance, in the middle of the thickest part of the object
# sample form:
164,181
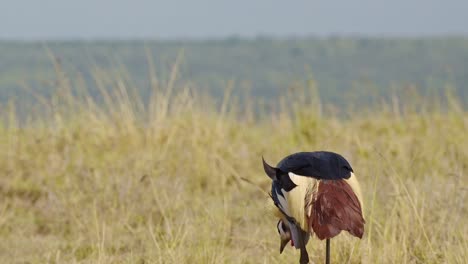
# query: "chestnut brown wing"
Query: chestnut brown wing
335,207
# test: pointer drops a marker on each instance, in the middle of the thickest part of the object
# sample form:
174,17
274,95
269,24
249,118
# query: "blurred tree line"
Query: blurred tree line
343,68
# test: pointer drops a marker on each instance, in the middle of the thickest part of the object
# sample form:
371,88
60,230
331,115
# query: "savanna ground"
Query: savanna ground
180,180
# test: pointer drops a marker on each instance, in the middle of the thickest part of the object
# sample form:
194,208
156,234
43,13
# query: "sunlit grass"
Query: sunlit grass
127,182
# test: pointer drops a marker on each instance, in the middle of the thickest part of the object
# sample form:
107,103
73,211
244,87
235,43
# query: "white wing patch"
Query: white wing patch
297,198
352,181
296,179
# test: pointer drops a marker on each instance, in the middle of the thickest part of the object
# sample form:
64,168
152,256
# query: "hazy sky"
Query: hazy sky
109,19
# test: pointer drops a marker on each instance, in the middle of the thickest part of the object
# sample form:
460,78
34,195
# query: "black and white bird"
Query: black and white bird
315,193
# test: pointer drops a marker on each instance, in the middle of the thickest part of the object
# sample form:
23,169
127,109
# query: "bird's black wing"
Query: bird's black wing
319,164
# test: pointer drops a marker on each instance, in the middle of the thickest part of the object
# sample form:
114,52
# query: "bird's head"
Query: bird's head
285,234
289,231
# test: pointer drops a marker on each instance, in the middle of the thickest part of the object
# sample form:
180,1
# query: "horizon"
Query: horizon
209,19
237,37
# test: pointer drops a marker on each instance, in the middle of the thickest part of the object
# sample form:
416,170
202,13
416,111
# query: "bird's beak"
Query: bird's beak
283,244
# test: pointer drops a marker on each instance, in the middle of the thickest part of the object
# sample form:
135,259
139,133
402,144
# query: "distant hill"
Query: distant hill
343,68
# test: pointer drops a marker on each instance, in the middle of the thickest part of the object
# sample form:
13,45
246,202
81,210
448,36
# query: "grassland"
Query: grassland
125,182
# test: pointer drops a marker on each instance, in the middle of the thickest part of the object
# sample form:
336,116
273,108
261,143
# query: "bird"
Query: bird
315,193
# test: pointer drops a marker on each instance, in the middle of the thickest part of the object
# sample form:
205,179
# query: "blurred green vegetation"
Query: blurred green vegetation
343,69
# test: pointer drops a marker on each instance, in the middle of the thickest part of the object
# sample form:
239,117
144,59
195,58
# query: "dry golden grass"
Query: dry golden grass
122,183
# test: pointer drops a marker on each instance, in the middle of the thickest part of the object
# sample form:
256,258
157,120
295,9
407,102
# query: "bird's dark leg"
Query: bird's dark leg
304,256
327,256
